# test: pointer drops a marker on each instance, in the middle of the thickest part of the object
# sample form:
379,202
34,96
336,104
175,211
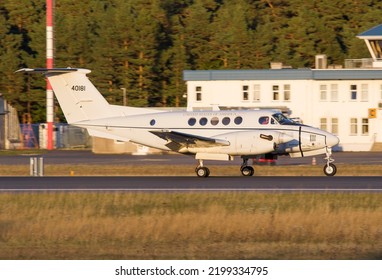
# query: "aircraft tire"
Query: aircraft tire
202,172
330,170
247,171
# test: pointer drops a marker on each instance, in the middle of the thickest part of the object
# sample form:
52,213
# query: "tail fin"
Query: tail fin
78,97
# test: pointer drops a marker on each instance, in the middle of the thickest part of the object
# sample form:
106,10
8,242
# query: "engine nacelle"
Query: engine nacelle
259,142
247,143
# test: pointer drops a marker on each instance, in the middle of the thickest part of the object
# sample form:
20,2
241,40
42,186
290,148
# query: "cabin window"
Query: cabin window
226,120
152,122
263,120
203,121
283,120
192,121
214,120
238,120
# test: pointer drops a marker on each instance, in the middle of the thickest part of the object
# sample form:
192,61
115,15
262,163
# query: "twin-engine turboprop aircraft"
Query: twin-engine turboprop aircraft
209,135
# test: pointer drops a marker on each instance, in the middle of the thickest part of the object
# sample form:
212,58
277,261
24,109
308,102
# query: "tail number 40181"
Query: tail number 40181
78,88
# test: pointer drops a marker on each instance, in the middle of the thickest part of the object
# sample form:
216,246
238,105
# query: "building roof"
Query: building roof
372,33
283,74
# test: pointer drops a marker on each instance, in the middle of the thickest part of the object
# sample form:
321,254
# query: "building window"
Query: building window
276,92
256,92
287,92
324,124
330,125
335,126
365,126
198,91
353,126
364,92
353,92
323,92
334,93
245,93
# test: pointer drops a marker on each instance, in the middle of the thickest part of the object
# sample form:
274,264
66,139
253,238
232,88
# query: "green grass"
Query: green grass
190,226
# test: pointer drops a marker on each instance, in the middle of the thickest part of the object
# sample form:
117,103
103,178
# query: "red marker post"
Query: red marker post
49,64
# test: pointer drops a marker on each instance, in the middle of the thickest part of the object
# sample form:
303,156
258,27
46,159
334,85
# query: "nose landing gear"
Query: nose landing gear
329,169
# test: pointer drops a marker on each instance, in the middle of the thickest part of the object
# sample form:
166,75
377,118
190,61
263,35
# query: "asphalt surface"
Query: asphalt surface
166,183
181,183
87,157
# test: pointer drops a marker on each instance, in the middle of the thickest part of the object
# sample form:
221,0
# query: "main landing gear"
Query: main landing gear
201,170
246,170
329,169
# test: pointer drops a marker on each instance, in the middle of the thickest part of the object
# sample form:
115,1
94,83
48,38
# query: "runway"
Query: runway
191,184
184,184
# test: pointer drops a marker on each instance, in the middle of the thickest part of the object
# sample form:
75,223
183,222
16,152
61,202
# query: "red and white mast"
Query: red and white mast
49,64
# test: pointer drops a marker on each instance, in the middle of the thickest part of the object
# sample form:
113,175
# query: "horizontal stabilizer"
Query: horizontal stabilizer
53,70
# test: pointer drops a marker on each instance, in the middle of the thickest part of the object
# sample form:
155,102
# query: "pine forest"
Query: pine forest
144,45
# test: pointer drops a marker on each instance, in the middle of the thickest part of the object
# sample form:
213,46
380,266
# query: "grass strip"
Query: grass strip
190,226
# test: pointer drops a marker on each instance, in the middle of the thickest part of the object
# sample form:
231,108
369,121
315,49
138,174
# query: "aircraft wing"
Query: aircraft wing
178,140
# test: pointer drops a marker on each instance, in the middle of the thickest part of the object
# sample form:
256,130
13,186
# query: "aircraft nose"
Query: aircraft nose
332,140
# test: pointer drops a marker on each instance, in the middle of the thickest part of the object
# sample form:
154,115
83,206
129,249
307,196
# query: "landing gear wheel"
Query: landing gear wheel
202,171
330,169
247,170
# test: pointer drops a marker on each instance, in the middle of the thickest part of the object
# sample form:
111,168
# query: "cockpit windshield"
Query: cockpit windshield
283,120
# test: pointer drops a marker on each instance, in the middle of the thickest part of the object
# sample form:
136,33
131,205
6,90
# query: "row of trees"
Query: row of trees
144,45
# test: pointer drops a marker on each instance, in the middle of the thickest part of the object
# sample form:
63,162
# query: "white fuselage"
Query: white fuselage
246,132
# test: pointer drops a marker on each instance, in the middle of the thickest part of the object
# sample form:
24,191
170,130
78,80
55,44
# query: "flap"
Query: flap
178,140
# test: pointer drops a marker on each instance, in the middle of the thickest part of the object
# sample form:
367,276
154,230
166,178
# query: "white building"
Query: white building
345,101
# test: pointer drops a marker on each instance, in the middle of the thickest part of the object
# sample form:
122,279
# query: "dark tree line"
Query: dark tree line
144,45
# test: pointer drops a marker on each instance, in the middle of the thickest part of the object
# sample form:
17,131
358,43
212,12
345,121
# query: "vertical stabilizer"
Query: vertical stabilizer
78,97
